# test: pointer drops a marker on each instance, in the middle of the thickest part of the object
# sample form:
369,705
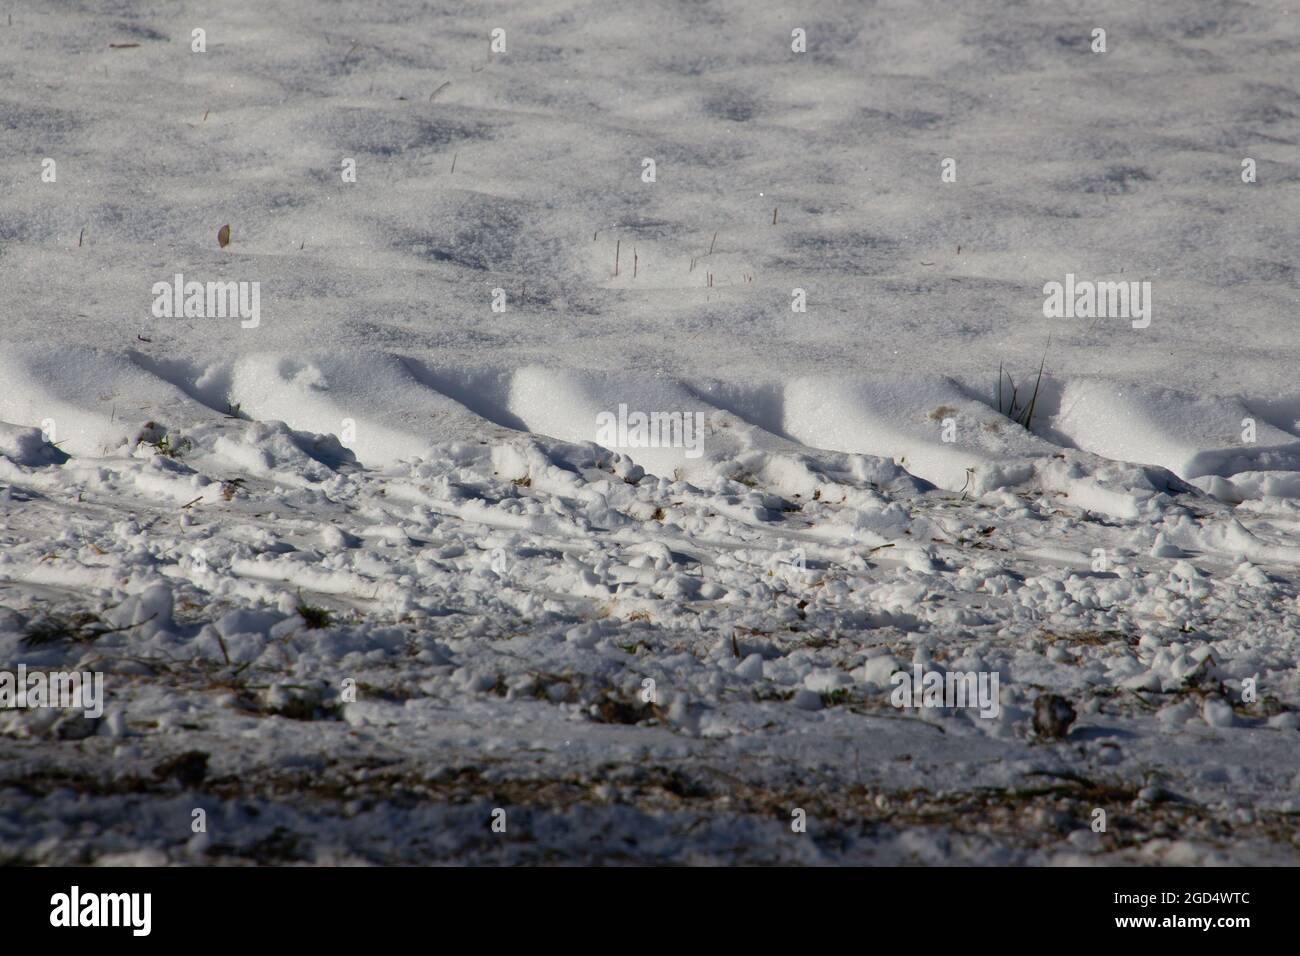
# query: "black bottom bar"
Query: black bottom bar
337,906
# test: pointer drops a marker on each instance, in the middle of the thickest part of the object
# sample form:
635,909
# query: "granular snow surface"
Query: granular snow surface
387,559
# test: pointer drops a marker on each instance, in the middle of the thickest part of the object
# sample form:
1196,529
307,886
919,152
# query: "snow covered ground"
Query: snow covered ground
383,556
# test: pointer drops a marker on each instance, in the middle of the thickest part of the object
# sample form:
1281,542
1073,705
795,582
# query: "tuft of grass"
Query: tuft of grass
833,698
169,446
1021,414
82,627
316,618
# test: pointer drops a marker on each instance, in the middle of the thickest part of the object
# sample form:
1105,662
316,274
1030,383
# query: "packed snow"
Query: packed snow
519,515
